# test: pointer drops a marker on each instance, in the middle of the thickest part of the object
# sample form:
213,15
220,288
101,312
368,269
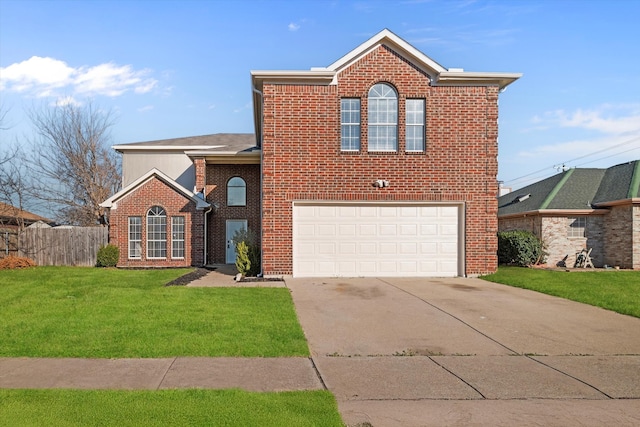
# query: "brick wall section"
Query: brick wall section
636,237
200,167
217,177
302,157
619,238
156,193
559,245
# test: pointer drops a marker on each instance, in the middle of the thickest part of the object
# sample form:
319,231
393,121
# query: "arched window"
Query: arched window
383,118
236,192
156,233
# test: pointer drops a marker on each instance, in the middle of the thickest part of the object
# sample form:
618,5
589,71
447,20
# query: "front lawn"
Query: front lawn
614,290
167,408
109,313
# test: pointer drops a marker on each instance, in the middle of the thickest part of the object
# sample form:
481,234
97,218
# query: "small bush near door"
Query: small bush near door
520,247
248,253
108,256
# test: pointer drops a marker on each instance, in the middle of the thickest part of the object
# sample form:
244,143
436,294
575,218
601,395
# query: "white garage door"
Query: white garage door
375,240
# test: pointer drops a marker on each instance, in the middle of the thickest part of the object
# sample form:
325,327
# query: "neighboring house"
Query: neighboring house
596,209
12,220
384,163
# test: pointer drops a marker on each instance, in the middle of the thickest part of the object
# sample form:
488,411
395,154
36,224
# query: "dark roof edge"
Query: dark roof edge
555,212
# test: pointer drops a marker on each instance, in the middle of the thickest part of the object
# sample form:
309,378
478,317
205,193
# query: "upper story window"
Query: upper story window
156,233
236,192
350,124
577,226
415,124
382,132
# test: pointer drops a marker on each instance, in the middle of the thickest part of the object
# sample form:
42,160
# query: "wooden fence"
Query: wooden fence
62,246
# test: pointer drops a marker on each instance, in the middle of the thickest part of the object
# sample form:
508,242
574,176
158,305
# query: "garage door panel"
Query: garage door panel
375,240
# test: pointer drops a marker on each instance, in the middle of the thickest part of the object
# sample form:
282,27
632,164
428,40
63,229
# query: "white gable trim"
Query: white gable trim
388,38
111,202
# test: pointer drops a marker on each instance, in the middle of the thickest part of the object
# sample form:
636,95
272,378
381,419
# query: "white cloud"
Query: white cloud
46,77
145,108
66,100
608,119
293,26
598,137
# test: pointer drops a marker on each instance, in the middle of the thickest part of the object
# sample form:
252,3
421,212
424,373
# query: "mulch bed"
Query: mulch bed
189,277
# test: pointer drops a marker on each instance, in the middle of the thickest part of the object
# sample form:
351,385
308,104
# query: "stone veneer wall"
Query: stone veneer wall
561,249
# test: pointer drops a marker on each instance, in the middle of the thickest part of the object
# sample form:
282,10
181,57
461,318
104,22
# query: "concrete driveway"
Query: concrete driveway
422,352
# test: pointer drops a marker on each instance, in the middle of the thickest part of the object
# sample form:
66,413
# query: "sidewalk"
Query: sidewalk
252,374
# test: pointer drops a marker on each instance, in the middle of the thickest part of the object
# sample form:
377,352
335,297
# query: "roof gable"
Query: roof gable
621,182
111,202
395,43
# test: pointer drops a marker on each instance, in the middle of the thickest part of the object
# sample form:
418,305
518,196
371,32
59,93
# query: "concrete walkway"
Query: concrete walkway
253,374
420,352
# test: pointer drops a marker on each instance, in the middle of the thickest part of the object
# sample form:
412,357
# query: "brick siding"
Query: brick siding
621,238
217,177
302,158
137,203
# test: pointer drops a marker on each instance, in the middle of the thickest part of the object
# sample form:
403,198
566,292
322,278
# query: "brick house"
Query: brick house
384,163
577,209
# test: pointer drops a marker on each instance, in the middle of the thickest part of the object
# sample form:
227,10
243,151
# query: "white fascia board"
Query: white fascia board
111,201
453,78
291,76
126,147
387,37
203,153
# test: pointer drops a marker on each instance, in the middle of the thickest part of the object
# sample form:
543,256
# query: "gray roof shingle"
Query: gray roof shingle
575,189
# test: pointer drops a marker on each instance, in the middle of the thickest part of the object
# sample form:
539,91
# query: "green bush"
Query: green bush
243,264
520,247
108,256
248,259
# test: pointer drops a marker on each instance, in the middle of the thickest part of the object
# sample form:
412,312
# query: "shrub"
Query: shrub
13,262
520,247
243,264
248,252
108,256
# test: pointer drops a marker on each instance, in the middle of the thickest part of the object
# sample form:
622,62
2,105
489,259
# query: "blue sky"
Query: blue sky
181,68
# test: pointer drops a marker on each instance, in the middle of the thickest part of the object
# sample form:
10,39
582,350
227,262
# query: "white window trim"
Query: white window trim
173,238
572,231
130,240
149,233
415,125
357,125
372,124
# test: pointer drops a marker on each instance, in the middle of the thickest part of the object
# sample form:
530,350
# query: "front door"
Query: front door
233,225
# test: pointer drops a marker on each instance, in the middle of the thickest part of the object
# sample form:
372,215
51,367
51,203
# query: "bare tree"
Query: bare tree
72,164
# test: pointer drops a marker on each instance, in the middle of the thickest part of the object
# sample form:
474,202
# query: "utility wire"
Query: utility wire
636,139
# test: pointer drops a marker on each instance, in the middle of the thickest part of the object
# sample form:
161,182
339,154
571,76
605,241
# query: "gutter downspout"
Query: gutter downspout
261,176
204,261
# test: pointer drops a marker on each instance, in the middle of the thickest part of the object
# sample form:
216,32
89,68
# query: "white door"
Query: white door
376,240
233,225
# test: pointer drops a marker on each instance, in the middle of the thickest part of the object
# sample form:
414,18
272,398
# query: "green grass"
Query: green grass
109,313
167,408
614,290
